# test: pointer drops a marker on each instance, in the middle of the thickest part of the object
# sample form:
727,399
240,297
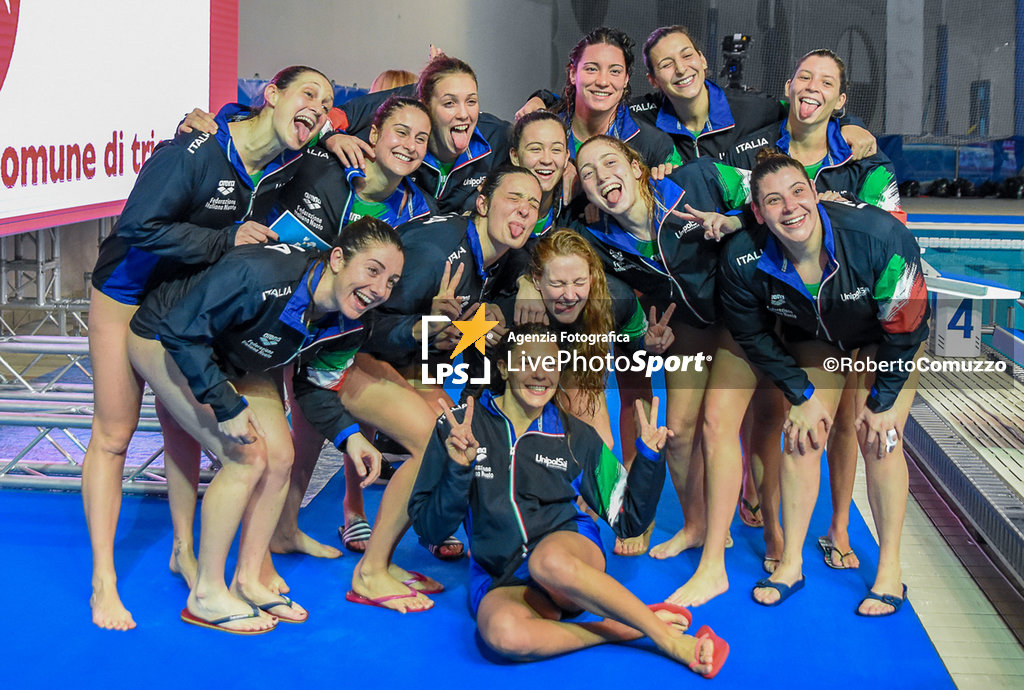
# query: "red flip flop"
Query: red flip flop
420,577
718,657
218,624
357,598
674,608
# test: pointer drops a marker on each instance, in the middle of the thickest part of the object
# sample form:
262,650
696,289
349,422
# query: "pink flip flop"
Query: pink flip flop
718,657
357,598
674,608
420,577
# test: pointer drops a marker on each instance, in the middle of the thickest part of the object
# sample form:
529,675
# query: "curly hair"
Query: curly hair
597,313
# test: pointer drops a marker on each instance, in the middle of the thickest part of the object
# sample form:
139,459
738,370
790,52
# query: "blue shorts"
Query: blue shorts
480,582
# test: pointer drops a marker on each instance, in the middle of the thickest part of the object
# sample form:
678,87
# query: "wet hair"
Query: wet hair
597,312
361,235
497,176
605,35
283,79
660,33
826,53
392,79
771,160
437,69
644,183
395,103
536,332
528,119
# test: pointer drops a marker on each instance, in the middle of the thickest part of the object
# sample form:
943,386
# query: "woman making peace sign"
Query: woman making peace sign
537,558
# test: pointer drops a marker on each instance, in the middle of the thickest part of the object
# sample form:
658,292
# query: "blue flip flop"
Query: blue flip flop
785,591
891,599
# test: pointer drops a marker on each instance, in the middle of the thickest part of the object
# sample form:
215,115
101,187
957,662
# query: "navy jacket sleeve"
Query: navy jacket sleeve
440,497
752,327
163,194
902,300
626,501
218,301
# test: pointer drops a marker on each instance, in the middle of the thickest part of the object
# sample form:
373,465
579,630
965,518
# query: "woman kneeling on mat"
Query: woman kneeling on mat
205,343
538,559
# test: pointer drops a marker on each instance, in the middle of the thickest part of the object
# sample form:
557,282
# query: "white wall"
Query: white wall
507,42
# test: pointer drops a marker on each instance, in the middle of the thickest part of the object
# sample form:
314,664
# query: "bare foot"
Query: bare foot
681,541
769,564
183,563
705,585
227,604
300,542
634,546
107,610
704,655
270,602
423,583
375,585
696,654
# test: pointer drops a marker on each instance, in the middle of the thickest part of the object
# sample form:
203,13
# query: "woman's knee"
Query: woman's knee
250,460
280,459
506,635
112,438
554,566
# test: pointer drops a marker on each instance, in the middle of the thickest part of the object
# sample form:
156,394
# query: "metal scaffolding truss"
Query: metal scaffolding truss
30,280
53,407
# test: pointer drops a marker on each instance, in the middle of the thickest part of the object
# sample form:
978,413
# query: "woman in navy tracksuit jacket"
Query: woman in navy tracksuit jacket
205,344
719,117
325,197
842,278
465,256
195,197
511,466
465,144
595,96
668,259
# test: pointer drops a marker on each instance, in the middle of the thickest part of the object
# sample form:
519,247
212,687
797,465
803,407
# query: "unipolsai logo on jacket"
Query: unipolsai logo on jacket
551,463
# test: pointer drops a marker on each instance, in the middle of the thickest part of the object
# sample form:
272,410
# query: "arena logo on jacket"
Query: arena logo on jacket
8,32
474,333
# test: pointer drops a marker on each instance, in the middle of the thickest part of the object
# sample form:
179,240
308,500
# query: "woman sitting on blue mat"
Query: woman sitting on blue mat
845,281
537,558
205,344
